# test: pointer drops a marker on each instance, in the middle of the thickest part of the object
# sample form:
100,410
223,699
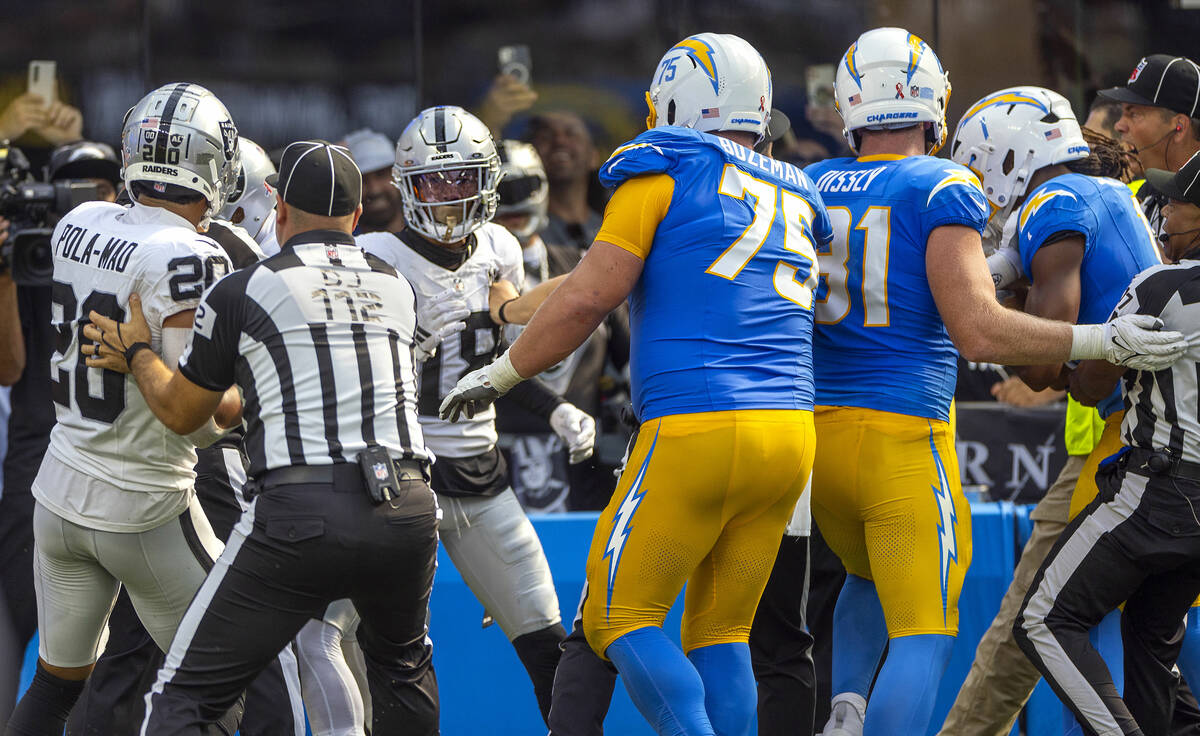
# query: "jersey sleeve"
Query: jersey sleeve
1047,216
637,207
175,275
1151,291
822,228
209,359
512,262
954,198
652,152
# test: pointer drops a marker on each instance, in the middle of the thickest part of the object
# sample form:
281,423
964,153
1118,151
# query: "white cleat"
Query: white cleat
846,719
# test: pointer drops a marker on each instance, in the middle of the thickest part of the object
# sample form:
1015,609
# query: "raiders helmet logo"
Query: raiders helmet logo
1137,72
229,138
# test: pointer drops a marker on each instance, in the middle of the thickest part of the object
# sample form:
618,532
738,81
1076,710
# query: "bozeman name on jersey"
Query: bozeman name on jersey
103,253
496,255
1161,407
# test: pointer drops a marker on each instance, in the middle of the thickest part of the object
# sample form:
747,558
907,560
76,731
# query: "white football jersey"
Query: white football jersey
103,253
497,255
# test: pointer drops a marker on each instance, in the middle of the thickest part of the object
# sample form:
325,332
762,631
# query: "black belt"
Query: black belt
342,476
1161,462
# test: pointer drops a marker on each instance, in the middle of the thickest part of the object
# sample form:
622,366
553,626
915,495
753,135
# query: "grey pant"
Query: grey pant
79,571
496,550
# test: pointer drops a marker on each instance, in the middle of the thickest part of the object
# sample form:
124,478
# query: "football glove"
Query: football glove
1133,340
576,428
438,317
479,388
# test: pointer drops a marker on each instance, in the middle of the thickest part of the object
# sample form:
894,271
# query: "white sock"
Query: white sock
847,714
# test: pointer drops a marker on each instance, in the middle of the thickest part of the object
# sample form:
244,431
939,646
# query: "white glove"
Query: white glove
1133,340
576,428
438,317
477,389
1005,265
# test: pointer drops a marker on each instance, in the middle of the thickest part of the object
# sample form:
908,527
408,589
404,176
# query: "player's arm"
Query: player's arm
1093,381
176,330
519,308
1055,294
178,403
12,341
985,332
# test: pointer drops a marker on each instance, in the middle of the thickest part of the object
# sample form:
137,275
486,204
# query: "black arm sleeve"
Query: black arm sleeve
536,397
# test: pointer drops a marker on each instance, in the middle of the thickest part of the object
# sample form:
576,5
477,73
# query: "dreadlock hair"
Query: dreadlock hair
1109,157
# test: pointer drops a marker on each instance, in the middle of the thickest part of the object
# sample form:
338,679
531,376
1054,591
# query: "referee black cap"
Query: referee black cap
318,177
1183,185
1161,80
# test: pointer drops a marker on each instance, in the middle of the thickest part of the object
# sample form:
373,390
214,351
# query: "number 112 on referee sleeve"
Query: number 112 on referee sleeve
769,202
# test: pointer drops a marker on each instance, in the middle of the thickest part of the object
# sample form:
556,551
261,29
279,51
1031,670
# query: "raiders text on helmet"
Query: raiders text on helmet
180,134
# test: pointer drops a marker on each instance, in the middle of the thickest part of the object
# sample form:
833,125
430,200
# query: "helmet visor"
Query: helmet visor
446,186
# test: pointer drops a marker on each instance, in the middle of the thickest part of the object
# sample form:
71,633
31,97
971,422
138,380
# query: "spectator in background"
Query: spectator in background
564,142
56,123
506,97
1103,116
375,153
1159,108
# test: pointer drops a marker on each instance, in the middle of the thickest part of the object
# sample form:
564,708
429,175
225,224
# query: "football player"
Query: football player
245,227
447,169
115,498
1081,240
905,285
713,244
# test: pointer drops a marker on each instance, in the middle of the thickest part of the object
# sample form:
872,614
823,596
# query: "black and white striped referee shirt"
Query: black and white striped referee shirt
1162,408
319,339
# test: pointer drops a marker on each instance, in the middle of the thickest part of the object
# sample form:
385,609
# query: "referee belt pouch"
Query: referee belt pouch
1173,490
389,480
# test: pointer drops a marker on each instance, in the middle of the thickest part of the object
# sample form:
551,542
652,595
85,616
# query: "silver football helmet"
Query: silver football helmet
523,189
447,170
252,200
180,134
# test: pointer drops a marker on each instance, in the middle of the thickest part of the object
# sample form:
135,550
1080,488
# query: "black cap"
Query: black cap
85,160
318,177
1183,185
777,125
1161,80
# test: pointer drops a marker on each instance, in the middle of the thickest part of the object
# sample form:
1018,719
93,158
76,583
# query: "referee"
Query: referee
1139,541
318,339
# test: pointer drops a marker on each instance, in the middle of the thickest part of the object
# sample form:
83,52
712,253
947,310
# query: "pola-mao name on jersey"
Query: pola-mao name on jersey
1118,242
103,253
721,317
880,342
494,253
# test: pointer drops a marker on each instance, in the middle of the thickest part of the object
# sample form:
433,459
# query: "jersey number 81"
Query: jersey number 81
769,202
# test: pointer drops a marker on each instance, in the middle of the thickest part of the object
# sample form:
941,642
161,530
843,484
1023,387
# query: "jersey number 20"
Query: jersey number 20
769,203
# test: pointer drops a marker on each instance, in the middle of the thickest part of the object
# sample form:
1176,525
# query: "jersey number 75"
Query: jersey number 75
770,202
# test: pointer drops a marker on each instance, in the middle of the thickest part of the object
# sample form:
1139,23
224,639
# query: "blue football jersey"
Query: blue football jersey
721,318
1118,241
880,342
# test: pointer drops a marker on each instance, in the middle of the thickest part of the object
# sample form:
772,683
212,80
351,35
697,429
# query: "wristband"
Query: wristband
502,375
1087,342
503,319
133,350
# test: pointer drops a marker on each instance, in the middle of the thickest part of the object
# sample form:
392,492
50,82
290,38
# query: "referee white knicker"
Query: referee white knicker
1138,542
318,338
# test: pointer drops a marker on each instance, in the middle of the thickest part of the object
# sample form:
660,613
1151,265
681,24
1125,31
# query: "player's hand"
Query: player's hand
26,112
500,292
1139,341
576,428
438,317
473,393
110,339
63,124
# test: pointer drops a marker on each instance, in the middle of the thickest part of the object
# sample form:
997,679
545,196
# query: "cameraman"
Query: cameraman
27,339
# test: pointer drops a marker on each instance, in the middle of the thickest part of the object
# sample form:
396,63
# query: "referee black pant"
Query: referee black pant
311,536
1138,543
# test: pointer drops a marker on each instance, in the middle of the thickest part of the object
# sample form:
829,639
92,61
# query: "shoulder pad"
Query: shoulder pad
654,152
